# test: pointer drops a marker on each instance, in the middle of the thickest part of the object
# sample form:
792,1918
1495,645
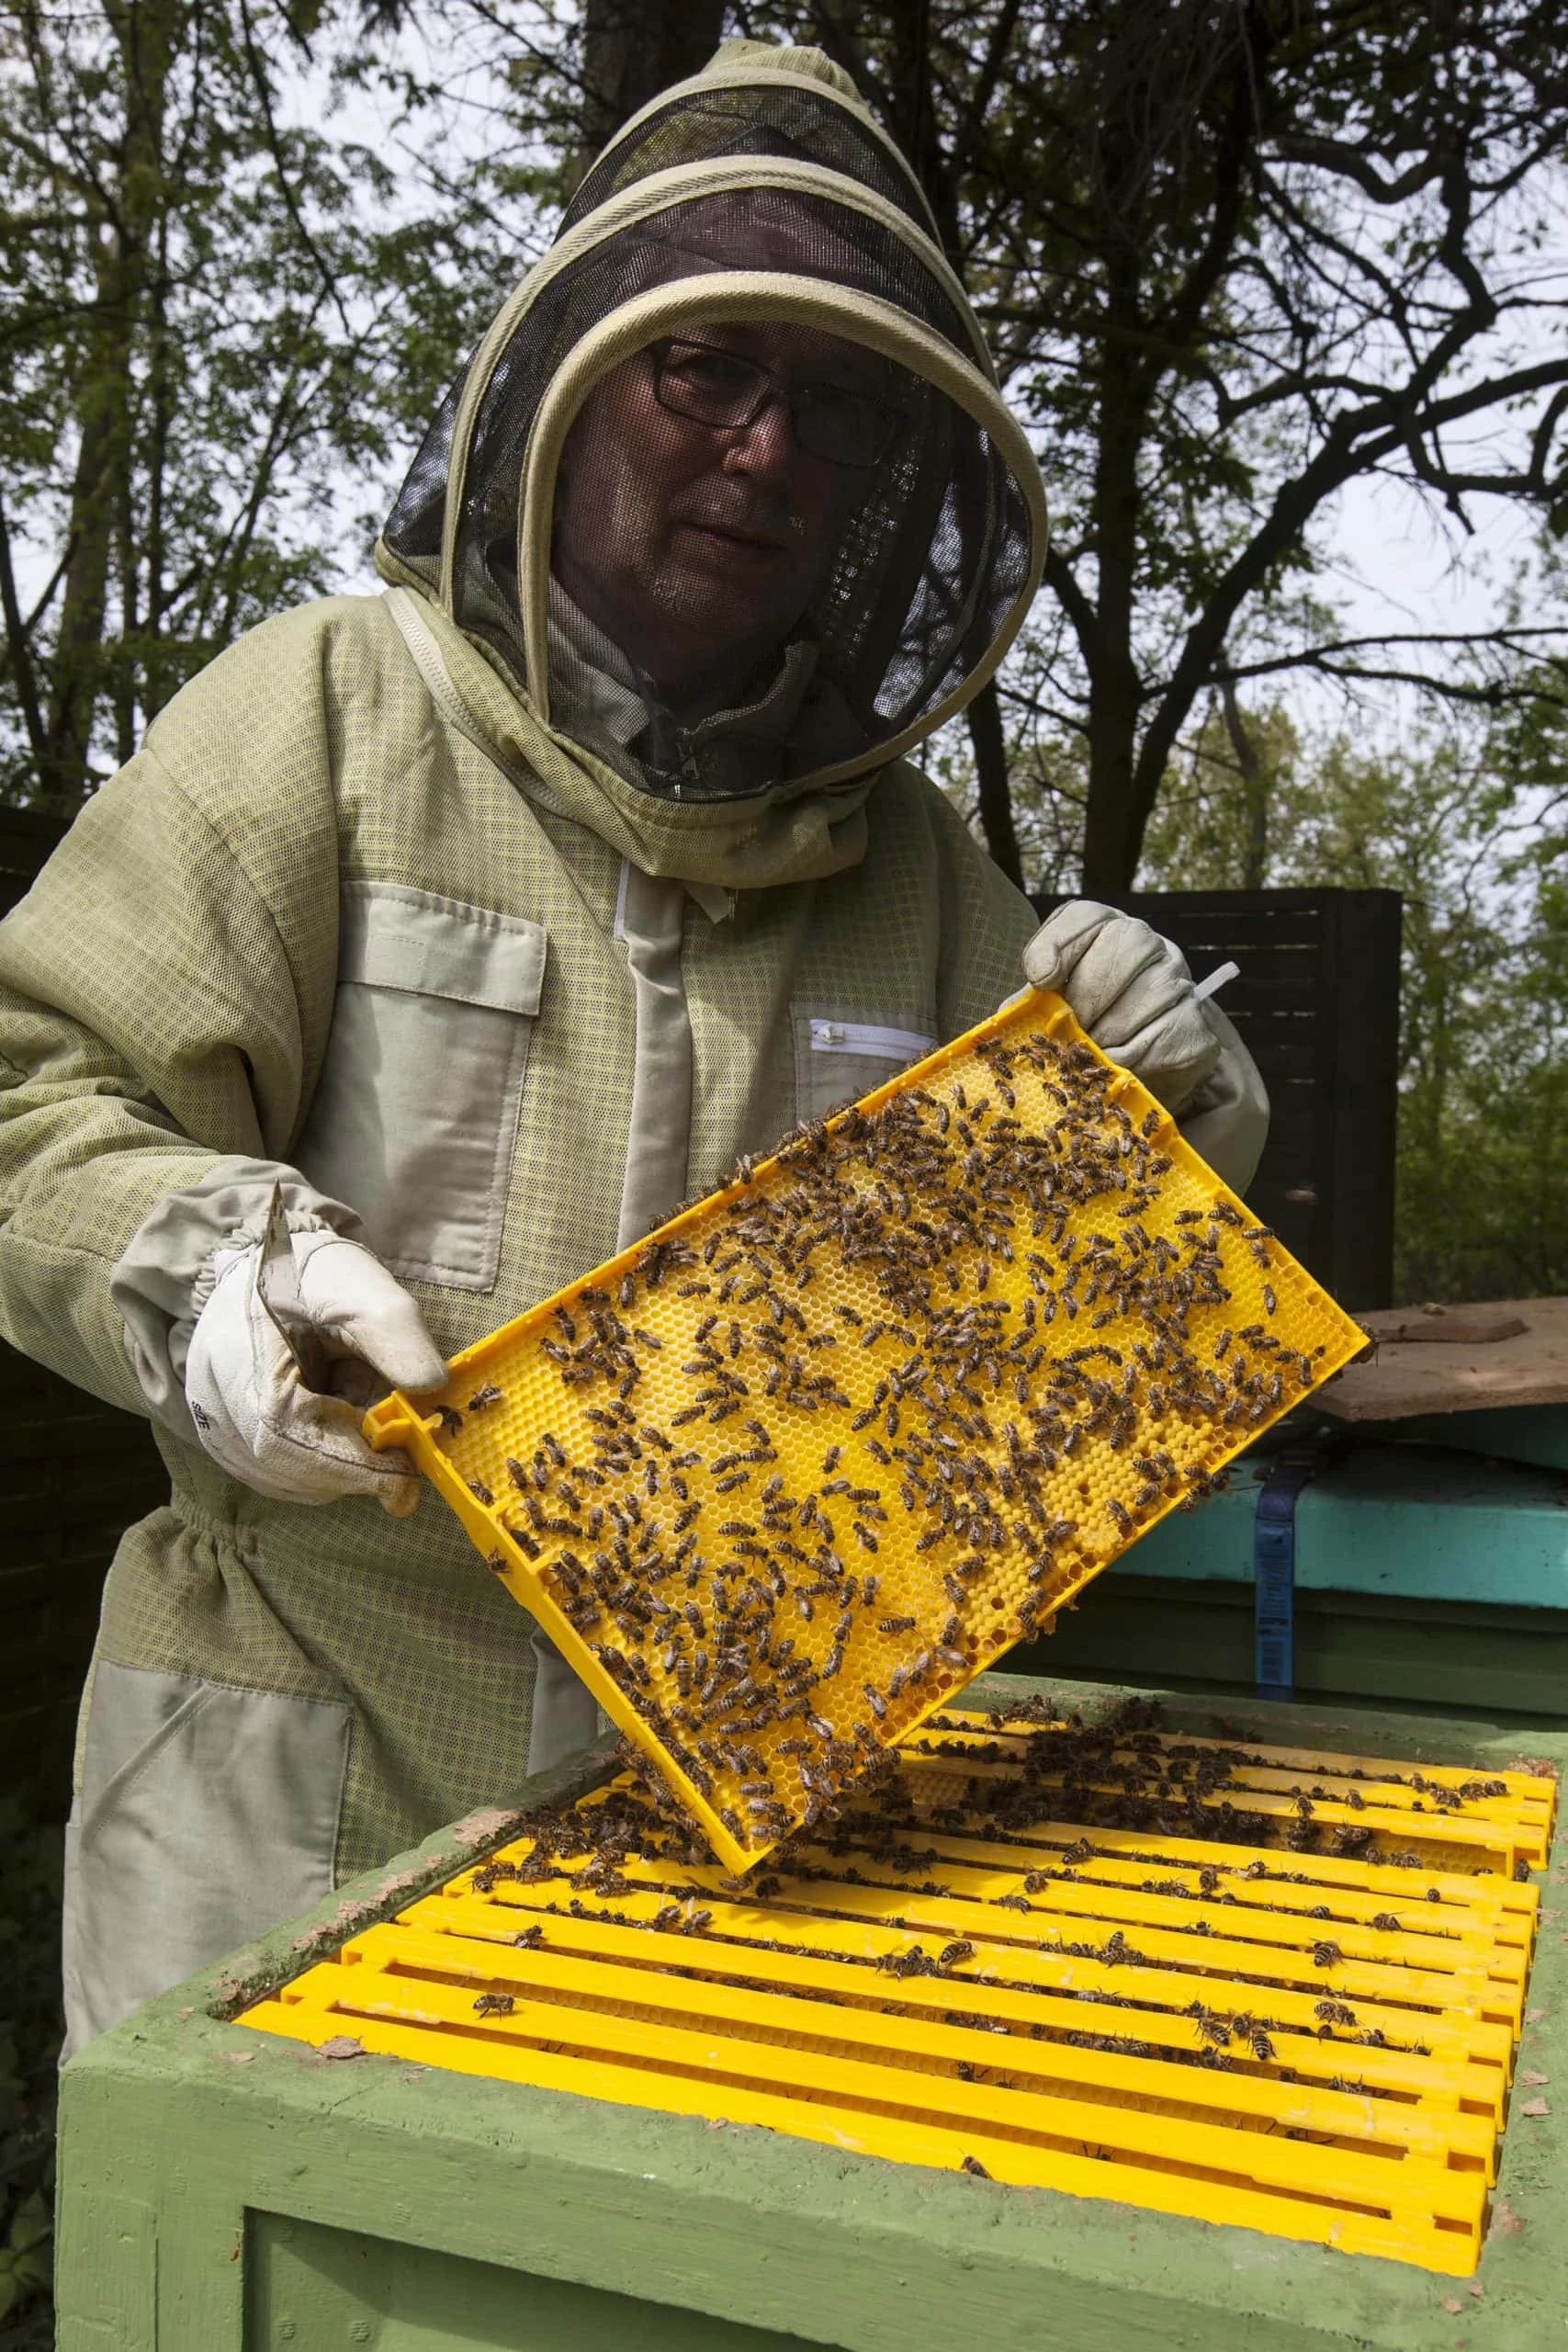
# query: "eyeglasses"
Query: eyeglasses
721,390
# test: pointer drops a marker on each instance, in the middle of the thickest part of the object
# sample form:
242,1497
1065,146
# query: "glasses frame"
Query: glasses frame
771,386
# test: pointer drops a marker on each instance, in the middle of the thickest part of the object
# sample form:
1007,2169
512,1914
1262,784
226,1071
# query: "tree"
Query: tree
1233,255
1466,823
631,51
1232,816
221,321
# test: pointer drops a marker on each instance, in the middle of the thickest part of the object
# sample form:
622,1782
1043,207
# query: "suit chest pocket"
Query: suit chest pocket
841,1056
414,1119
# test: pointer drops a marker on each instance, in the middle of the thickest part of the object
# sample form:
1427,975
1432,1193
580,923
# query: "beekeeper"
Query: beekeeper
490,916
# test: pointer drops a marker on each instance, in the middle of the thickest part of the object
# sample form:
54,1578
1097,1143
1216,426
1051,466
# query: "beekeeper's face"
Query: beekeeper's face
704,489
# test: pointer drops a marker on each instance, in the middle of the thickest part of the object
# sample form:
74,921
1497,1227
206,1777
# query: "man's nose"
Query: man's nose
765,447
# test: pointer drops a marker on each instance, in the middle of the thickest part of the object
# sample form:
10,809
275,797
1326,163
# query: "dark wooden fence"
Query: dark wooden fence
73,1474
1317,1004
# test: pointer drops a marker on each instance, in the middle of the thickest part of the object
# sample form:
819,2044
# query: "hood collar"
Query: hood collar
790,832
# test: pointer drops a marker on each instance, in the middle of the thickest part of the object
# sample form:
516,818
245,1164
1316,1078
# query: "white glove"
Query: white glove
255,1415
1132,993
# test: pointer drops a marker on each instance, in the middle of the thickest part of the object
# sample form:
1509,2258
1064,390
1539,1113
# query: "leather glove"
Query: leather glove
1132,993
253,1413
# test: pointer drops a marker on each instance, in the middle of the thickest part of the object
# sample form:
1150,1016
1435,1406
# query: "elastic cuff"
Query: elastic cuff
165,1274
249,1235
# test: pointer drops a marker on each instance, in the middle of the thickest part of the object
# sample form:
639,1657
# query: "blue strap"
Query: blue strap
1274,1569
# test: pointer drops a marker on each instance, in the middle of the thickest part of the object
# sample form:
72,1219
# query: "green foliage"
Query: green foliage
228,315
1463,824
29,2049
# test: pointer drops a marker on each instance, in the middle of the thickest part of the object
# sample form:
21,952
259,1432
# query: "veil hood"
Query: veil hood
762,190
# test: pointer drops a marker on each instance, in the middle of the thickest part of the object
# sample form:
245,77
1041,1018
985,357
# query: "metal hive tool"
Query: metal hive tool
1217,2019
787,1474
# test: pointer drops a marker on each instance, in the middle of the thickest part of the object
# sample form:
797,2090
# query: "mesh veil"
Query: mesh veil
692,125
930,559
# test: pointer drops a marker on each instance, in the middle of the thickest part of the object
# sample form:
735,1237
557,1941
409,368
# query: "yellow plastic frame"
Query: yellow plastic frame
1305,1317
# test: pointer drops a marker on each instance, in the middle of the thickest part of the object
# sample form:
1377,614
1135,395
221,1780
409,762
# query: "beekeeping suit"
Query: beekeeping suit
485,919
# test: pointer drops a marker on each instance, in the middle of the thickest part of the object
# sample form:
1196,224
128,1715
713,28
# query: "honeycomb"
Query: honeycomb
782,1478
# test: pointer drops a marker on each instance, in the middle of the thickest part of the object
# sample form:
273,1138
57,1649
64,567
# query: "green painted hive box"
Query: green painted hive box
222,2187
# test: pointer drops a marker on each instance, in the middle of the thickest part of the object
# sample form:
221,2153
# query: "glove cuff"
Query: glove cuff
168,1270
249,1235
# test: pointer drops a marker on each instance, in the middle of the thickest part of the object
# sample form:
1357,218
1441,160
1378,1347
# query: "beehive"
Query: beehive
1249,1984
788,1473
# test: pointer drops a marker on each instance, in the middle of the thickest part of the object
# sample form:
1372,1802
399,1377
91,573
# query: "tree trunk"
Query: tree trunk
1254,793
1111,837
985,717
159,421
146,34
65,772
19,653
631,51
1110,843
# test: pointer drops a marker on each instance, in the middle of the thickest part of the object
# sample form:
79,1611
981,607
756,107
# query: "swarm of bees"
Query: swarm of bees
832,1444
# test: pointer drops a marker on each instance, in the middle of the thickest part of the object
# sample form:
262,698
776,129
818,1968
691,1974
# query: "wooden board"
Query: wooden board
1448,1372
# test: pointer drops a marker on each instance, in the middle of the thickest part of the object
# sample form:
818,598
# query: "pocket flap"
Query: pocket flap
398,938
